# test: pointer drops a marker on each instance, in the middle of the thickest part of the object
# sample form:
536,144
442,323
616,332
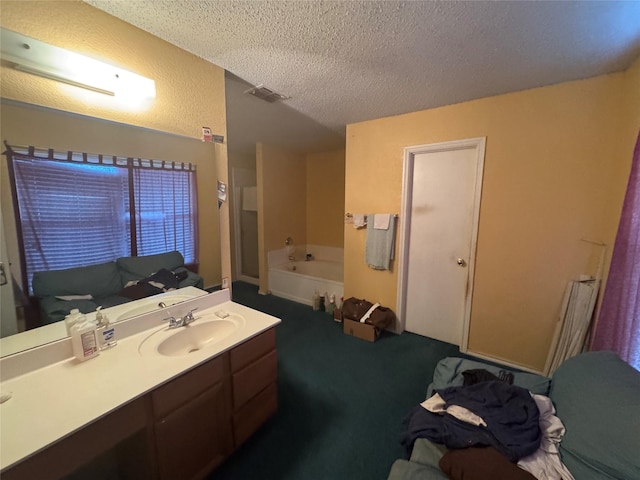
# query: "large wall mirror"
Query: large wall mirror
44,113
24,124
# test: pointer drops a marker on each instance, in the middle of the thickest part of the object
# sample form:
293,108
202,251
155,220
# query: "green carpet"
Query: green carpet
341,399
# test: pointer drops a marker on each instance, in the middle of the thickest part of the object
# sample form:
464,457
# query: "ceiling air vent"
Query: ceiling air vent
262,92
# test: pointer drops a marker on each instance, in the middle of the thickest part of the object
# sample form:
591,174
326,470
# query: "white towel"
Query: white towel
359,220
381,221
250,199
380,246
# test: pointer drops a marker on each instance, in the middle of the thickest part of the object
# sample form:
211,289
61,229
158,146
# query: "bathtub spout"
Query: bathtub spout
308,257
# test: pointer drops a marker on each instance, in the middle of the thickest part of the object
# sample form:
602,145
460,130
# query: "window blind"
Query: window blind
74,209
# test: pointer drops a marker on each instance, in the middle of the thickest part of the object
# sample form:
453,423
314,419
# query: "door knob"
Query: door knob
461,262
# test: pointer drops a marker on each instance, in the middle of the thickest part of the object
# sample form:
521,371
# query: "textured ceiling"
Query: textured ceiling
348,61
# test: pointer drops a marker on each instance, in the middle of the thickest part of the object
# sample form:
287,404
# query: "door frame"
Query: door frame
410,153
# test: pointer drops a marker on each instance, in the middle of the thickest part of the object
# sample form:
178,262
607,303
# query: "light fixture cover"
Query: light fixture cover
39,58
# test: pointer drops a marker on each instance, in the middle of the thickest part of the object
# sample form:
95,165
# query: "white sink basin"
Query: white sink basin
151,304
203,333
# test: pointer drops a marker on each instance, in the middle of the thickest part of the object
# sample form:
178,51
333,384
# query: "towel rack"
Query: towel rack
350,215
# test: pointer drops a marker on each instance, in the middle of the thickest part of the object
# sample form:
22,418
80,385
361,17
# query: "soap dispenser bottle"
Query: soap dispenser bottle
71,319
105,332
84,340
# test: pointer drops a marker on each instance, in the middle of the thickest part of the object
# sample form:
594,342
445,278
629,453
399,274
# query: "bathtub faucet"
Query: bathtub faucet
292,258
308,257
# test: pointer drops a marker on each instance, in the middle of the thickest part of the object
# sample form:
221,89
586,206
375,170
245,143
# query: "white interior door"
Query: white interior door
442,196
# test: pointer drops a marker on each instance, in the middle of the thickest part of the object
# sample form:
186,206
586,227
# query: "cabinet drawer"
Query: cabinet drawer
253,349
254,378
257,411
180,390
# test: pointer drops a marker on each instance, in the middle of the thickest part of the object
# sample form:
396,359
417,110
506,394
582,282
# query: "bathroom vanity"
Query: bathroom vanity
163,404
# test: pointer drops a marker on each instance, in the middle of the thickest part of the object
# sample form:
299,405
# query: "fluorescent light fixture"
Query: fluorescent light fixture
39,58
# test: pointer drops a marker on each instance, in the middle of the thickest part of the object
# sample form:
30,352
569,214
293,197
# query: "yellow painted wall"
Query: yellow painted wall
189,91
554,174
325,198
281,175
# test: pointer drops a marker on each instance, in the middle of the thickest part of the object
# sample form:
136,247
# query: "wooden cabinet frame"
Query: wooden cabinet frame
182,429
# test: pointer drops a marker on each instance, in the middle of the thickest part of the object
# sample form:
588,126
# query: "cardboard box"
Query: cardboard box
364,331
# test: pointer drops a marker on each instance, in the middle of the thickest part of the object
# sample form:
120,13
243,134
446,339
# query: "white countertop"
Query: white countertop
57,331
53,402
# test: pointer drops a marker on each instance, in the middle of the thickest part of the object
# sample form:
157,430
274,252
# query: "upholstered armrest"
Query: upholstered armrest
192,280
427,453
406,470
101,280
448,373
597,397
137,268
53,310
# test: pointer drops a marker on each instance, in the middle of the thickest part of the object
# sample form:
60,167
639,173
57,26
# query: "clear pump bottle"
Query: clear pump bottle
105,332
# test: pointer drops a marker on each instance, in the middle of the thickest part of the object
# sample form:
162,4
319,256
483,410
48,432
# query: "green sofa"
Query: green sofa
104,283
597,397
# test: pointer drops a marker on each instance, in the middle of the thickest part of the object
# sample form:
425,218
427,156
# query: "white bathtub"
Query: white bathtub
298,281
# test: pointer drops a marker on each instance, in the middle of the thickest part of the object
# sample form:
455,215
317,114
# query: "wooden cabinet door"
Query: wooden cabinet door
195,438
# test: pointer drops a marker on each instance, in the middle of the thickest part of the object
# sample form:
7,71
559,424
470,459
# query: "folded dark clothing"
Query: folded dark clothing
181,275
139,290
511,415
471,377
163,279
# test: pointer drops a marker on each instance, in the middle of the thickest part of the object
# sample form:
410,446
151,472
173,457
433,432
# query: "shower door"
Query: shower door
246,224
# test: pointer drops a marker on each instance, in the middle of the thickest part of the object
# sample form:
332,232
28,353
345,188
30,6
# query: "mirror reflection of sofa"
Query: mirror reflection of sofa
105,284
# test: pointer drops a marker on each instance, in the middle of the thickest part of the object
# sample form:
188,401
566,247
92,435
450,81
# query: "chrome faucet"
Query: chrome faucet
188,318
180,322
